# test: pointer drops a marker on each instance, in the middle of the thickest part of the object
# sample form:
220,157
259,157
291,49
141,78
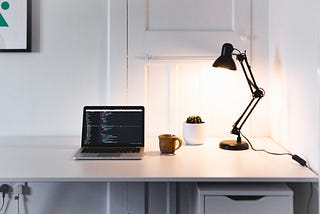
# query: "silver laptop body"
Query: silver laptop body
114,130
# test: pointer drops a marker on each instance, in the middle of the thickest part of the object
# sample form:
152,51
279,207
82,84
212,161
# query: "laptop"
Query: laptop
112,133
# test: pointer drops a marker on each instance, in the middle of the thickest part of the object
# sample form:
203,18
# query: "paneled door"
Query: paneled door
171,46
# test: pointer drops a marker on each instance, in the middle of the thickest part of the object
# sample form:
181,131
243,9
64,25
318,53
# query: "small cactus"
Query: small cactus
194,119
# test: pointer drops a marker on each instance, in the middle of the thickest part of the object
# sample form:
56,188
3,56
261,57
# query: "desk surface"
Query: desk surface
42,159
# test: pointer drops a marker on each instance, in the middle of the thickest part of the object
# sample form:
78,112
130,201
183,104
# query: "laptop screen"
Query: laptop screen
113,126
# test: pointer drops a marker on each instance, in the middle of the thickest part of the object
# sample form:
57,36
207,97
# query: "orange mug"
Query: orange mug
169,143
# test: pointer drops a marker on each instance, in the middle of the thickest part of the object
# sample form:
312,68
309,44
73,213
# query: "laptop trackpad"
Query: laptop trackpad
109,155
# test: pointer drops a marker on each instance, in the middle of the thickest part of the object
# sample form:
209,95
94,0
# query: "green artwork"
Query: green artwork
4,6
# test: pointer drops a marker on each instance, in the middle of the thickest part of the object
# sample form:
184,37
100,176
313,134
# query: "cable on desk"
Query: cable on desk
297,158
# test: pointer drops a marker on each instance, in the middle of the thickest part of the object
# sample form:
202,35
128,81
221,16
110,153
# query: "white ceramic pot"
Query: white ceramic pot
194,134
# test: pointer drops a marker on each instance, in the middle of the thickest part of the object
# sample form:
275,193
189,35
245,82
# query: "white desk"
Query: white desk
42,159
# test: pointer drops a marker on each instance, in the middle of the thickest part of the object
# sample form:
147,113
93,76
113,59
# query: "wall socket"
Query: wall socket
14,188
18,189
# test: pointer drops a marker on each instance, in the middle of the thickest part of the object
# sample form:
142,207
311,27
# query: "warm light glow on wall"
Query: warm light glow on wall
222,95
178,90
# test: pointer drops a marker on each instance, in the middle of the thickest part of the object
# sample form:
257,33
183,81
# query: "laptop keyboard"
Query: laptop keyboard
111,150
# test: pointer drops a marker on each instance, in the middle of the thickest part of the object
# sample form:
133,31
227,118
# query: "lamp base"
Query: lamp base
233,145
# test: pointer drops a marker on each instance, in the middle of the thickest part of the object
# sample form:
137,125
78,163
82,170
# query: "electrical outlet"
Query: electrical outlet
18,189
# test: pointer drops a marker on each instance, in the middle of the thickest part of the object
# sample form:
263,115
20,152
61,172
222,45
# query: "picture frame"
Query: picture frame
15,26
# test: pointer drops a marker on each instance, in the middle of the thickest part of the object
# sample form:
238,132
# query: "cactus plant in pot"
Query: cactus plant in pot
194,130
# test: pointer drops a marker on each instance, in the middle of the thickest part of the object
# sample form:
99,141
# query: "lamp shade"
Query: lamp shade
226,60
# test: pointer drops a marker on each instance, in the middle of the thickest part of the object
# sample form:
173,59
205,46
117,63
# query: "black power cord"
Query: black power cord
2,204
295,157
4,188
18,202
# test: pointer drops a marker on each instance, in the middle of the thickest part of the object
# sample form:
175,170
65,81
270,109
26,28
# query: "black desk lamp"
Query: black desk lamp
226,61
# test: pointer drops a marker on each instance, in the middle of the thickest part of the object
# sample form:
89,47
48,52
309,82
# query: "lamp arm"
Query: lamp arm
257,94
235,129
253,83
247,112
249,77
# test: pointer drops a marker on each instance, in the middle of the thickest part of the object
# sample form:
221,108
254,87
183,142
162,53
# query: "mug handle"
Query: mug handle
180,143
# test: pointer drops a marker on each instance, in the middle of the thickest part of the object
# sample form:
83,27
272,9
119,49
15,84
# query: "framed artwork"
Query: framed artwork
15,35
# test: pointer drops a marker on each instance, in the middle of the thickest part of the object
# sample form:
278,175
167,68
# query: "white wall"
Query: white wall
42,92
294,76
